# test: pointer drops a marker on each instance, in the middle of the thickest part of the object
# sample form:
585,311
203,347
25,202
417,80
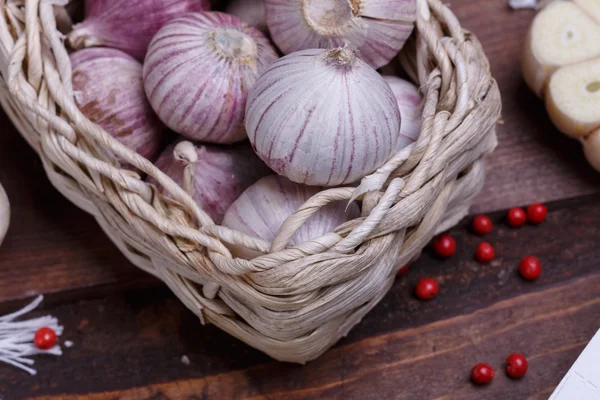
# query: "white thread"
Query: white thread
16,337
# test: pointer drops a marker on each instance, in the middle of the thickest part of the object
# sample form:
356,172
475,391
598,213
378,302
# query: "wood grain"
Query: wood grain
129,345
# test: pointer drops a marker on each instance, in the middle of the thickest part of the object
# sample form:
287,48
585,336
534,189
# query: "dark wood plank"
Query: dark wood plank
130,345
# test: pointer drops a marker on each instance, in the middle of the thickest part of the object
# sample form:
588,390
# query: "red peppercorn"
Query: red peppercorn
516,365
536,213
402,271
427,288
485,252
444,246
482,374
482,225
516,217
44,338
530,268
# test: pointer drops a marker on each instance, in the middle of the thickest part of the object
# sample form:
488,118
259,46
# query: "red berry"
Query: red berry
427,288
444,246
485,252
482,374
482,225
402,271
516,217
516,365
530,268
536,213
45,338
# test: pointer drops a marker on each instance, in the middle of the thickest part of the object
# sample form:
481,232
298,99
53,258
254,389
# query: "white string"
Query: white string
16,337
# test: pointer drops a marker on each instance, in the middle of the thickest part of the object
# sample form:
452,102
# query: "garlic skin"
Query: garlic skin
219,174
410,103
250,11
4,213
378,29
561,34
263,208
109,91
128,25
322,117
198,71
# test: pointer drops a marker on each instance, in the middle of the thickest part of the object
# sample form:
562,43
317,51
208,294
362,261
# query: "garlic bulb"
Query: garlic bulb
411,110
263,208
4,214
323,117
218,174
198,71
109,91
250,11
378,29
128,25
591,148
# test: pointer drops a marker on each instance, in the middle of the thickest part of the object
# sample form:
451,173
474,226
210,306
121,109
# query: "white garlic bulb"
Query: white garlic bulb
378,29
323,117
411,110
263,208
198,71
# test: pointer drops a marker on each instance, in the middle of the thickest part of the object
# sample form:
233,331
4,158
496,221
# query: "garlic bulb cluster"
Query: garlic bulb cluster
128,25
323,117
250,11
410,104
378,29
198,71
4,213
109,91
218,174
263,208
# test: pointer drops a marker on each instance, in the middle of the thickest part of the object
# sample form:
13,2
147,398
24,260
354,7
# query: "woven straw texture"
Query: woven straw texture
291,303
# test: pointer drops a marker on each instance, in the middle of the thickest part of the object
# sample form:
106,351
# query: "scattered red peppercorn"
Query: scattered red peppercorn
516,217
536,213
444,246
402,271
44,338
516,365
482,374
427,288
482,225
485,252
530,268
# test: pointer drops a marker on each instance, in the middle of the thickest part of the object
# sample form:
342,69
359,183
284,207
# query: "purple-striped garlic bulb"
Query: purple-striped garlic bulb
263,208
378,29
198,71
323,117
249,11
109,91
4,213
128,25
216,175
411,110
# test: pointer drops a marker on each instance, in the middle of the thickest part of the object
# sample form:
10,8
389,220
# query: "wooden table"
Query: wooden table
130,333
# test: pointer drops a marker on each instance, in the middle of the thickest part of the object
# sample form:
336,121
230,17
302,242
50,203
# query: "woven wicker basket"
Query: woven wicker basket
291,303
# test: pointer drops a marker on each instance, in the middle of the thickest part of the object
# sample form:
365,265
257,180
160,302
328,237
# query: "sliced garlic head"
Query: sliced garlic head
573,98
591,148
591,7
561,34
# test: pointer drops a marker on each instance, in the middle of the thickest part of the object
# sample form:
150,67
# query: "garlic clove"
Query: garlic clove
376,28
591,148
250,11
561,34
4,214
263,208
128,25
109,91
323,117
591,7
217,175
573,98
198,71
410,103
